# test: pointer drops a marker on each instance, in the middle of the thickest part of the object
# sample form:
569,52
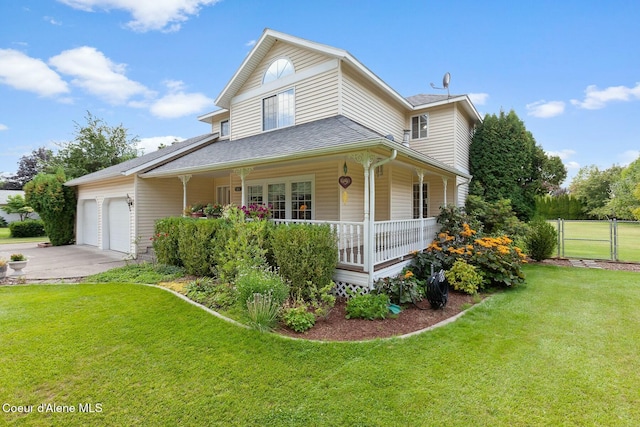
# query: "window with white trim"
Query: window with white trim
224,128
416,201
278,69
290,198
278,111
419,126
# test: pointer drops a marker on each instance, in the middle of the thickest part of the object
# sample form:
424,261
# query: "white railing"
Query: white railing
350,239
395,239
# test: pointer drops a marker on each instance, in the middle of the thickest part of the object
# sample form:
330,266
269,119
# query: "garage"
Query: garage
89,223
118,226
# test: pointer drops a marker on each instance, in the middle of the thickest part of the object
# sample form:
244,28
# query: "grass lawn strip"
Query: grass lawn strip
560,350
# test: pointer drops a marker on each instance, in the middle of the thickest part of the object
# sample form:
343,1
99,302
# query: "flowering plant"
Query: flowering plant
213,209
257,211
403,288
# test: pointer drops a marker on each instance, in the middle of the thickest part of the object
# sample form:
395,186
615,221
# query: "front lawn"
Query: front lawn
559,350
6,239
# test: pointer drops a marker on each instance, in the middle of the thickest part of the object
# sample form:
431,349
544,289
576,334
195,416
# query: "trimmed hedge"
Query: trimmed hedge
27,228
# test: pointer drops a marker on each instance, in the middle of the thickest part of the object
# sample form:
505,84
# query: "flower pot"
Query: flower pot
17,267
3,271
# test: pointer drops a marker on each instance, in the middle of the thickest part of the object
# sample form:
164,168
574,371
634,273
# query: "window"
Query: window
278,110
277,199
278,69
419,125
416,201
290,198
223,195
224,128
301,200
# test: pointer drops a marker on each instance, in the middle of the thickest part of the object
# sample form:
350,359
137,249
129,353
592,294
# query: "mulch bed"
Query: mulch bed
338,328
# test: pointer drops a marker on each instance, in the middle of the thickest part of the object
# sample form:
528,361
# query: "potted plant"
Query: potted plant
17,263
197,210
213,210
3,268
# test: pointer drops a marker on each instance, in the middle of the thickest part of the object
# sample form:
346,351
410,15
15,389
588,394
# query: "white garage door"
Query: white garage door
119,236
89,223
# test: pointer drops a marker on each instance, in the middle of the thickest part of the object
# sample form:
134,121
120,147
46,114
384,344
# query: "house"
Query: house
310,130
4,199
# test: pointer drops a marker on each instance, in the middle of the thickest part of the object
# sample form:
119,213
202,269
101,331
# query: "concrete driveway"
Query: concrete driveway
62,262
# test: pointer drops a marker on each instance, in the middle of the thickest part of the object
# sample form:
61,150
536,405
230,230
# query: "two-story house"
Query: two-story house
311,131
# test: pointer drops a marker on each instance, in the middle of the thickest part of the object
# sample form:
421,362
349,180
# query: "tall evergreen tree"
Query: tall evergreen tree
506,163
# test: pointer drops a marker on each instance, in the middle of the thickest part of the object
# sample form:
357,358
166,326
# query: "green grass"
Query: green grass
5,239
628,238
560,350
138,273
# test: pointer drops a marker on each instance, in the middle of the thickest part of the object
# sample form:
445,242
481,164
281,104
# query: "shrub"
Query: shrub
401,289
541,240
306,256
3,222
17,257
239,243
263,311
464,277
56,205
165,241
27,228
368,306
261,281
195,245
298,318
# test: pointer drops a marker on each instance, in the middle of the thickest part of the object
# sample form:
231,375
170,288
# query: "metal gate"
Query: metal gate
601,232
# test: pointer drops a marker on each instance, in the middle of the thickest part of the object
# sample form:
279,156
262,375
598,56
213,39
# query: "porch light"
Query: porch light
129,201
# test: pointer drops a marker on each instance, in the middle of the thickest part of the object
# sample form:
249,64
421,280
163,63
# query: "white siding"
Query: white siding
401,193
317,98
463,128
363,103
439,143
383,192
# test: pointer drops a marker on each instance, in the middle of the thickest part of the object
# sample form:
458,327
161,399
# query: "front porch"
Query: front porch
363,259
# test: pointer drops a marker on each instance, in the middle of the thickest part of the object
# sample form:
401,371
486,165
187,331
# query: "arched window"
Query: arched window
278,69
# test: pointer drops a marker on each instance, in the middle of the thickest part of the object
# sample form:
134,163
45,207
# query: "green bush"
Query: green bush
464,277
27,228
239,243
56,205
306,256
542,239
401,289
262,311
3,222
368,306
252,281
298,318
195,246
165,240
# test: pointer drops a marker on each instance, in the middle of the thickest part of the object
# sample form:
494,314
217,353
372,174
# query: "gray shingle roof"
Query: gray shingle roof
149,159
423,99
337,131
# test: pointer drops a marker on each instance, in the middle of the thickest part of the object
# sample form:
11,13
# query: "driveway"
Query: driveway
62,262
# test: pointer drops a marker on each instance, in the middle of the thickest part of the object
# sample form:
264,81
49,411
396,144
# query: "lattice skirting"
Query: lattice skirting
341,288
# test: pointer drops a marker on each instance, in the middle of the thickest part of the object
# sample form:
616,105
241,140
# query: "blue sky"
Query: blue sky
570,69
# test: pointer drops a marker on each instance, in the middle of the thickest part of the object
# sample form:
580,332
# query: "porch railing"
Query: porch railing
393,239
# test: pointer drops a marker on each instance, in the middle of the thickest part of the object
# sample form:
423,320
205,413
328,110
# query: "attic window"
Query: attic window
278,69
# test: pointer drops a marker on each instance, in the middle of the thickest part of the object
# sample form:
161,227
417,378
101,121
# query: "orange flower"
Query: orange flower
408,274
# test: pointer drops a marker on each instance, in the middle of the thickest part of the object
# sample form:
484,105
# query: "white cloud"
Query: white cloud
149,145
478,98
544,109
250,43
165,15
31,74
572,166
628,157
178,103
98,75
595,99
51,20
563,154
3,127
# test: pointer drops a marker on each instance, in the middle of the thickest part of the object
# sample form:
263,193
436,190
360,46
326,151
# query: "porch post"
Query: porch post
366,159
184,179
420,173
444,181
243,173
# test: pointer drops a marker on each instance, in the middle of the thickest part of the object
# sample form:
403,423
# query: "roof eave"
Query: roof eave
464,99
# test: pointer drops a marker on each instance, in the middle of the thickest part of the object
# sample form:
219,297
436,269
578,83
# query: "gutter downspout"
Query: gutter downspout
372,217
466,181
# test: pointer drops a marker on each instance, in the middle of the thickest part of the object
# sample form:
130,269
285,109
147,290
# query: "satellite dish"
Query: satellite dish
445,83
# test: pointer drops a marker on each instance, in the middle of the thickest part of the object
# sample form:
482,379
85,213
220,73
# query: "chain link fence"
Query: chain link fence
611,240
